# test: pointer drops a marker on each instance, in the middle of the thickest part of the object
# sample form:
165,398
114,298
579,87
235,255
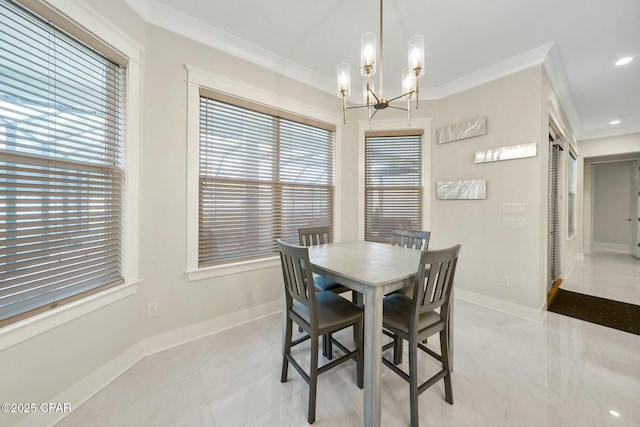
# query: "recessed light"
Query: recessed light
614,122
625,60
614,413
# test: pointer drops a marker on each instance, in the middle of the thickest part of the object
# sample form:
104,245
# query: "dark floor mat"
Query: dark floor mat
614,314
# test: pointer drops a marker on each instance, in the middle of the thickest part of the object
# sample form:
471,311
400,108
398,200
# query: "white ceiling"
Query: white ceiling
467,42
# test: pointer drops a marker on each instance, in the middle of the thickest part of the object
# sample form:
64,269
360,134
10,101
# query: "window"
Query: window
261,176
573,182
61,166
393,184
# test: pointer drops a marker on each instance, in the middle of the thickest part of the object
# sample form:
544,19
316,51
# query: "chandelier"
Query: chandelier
373,101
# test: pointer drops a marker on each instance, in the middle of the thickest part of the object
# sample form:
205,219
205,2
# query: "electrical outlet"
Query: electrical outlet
152,309
505,281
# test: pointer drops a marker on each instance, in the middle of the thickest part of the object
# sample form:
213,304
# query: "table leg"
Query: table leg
372,356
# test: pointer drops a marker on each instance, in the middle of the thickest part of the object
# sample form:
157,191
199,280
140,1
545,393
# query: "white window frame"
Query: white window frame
198,78
95,26
381,125
572,154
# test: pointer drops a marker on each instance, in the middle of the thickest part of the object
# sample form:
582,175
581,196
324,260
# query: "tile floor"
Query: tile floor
509,372
610,275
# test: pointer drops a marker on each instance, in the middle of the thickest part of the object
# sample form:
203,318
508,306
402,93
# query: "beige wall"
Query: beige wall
489,251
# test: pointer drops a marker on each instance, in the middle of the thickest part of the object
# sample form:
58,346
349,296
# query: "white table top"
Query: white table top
368,263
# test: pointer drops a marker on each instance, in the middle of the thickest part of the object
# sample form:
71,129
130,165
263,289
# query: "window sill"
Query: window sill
23,330
234,268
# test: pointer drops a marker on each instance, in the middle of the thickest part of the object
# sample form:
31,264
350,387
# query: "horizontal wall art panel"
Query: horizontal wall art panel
462,130
473,189
521,151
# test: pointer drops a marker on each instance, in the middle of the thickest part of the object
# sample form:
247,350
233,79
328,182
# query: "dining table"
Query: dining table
373,269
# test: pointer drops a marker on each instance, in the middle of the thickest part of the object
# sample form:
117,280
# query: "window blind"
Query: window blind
573,182
393,185
553,250
61,166
261,178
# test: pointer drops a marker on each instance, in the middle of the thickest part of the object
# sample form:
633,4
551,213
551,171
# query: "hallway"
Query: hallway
610,275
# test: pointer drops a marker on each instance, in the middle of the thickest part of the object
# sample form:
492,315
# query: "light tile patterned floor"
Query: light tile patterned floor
610,275
509,372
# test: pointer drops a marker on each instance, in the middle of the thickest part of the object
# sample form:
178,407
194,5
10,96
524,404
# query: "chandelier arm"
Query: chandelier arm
400,96
398,108
374,95
357,106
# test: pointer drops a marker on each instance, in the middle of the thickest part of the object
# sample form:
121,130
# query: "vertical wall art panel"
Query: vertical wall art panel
474,189
462,130
521,151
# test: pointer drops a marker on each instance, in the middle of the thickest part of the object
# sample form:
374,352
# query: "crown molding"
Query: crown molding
194,29
558,77
502,69
187,26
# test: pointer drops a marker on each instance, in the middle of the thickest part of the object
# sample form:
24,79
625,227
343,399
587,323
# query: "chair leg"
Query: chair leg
444,348
313,380
358,299
286,350
327,346
397,350
359,330
413,382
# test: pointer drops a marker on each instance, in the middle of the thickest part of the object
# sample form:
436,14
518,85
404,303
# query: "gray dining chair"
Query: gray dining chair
415,318
310,236
317,313
415,239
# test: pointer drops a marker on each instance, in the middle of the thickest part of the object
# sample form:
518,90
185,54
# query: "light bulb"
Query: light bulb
344,79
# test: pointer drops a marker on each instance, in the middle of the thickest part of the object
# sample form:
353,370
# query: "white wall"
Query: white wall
615,145
593,151
610,198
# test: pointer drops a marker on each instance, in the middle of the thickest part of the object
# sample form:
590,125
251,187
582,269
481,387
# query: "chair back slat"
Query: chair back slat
434,280
298,280
311,236
414,239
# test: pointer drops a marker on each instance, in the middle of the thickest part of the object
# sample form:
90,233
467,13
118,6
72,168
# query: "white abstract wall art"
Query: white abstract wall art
521,151
473,189
462,130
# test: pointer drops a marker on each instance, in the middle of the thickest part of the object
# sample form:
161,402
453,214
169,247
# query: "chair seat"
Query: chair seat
323,284
332,310
397,313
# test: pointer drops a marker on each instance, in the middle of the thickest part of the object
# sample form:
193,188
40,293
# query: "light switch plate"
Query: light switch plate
517,223
514,208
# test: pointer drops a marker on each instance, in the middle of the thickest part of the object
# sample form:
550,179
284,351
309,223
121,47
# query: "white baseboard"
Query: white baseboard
570,267
527,313
620,248
90,385
189,333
